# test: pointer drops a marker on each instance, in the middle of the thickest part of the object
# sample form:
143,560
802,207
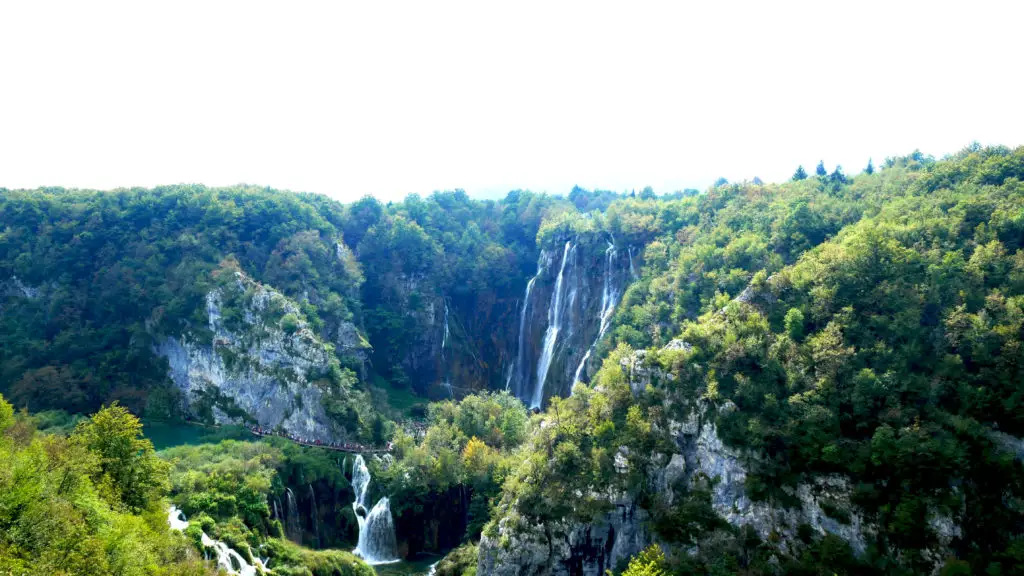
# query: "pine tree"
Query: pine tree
820,170
871,167
800,173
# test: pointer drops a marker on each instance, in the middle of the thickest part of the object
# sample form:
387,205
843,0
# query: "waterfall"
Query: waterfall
632,272
360,483
277,511
447,381
291,526
313,513
551,334
232,562
579,369
609,298
444,340
377,541
522,368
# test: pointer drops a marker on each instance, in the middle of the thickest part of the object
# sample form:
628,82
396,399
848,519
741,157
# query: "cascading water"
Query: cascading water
291,525
522,370
232,562
551,334
447,382
609,299
377,541
277,511
313,514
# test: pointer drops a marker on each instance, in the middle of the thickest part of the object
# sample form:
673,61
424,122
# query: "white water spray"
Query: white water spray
232,562
377,541
551,334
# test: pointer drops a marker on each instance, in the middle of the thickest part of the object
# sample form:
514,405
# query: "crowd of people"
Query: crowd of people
345,446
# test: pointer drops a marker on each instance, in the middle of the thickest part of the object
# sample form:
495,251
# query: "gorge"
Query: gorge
821,375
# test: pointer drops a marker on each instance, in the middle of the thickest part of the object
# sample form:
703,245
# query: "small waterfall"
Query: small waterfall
377,541
360,483
551,334
291,526
447,381
522,369
632,272
609,299
313,513
444,340
579,369
277,511
230,561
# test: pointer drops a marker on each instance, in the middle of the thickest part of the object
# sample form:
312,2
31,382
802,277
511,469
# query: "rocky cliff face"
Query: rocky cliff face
701,460
263,364
566,548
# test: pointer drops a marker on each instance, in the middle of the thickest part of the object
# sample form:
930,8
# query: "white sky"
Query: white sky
387,98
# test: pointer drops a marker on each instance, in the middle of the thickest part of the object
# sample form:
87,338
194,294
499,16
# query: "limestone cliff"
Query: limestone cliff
700,460
257,362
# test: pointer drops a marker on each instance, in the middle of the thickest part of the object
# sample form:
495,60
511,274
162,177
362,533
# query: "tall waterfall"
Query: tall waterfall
522,367
609,298
232,562
377,541
291,526
551,334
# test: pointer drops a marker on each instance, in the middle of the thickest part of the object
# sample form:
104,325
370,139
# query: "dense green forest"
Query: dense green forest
820,376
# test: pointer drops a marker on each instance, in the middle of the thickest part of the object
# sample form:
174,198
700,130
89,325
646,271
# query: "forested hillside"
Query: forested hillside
821,376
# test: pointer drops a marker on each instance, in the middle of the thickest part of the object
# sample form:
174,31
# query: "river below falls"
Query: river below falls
419,566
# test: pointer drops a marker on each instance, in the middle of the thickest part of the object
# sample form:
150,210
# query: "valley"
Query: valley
823,375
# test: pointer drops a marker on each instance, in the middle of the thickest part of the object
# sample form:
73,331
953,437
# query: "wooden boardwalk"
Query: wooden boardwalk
347,448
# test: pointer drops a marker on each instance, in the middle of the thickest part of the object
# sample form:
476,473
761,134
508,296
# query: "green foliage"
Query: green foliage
60,507
129,471
649,562
459,562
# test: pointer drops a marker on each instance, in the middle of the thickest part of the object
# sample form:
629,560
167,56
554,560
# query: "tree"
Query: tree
649,562
837,177
129,471
795,324
820,170
870,169
6,414
720,182
800,173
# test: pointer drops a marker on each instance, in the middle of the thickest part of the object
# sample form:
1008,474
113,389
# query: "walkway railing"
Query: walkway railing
350,447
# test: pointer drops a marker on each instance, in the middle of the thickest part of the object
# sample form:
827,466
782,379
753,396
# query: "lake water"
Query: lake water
170,434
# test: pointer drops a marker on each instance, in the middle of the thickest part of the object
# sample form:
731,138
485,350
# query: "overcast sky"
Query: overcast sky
388,98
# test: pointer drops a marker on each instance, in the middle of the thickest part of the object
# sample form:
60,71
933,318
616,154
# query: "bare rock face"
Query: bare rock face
261,367
565,548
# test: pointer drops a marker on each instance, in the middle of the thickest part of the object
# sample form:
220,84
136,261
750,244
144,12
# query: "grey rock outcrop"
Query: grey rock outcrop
262,369
565,548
